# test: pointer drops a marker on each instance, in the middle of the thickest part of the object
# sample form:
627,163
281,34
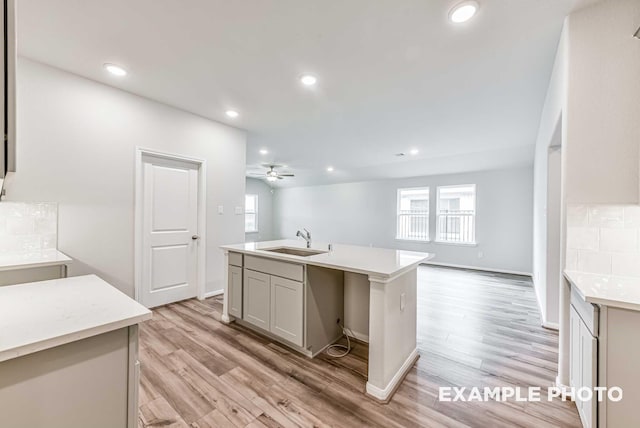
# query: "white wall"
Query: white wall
77,147
365,214
265,210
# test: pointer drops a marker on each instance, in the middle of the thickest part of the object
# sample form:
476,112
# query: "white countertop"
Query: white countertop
41,315
608,290
376,262
32,259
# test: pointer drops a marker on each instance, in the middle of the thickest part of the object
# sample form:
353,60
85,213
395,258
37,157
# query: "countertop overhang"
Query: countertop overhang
41,315
32,259
607,290
375,262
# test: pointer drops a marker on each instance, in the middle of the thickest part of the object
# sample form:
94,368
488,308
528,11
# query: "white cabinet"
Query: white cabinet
287,301
257,298
235,291
583,366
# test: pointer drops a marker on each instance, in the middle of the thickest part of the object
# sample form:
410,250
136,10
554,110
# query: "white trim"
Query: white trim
418,241
202,217
384,394
212,293
480,268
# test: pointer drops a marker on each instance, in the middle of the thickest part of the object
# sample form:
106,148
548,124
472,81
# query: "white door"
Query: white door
170,231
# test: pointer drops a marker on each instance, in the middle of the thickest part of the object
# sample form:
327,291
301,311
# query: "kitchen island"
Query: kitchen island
304,296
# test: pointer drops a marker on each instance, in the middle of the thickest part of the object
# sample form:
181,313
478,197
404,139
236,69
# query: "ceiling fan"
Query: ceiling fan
272,174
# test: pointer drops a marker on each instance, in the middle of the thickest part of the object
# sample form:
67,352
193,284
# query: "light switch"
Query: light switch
238,210
403,301
220,209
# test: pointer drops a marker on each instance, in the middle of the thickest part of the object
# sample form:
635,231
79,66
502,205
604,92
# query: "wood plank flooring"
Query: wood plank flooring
474,329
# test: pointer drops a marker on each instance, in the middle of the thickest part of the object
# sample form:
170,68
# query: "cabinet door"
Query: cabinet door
256,298
235,291
588,375
286,309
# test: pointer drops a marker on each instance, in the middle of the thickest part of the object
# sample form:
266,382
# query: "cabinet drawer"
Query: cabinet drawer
235,259
291,271
588,312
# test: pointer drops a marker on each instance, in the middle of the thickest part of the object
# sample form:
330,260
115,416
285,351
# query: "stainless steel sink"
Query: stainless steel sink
303,252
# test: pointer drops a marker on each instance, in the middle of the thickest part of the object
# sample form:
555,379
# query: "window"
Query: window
250,213
413,214
457,214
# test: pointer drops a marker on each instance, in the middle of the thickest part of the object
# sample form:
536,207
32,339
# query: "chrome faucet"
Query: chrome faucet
306,236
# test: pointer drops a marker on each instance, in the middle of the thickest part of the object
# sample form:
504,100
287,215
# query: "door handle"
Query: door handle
194,237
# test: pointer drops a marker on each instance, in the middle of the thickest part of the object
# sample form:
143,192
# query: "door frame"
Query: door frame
202,216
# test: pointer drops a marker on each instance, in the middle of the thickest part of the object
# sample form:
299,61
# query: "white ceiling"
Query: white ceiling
393,74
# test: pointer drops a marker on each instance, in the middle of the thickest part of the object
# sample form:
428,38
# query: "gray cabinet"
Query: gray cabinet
274,304
287,301
295,304
257,298
235,291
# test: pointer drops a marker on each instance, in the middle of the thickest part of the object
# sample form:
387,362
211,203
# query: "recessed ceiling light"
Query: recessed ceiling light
462,12
264,151
232,113
330,168
115,69
414,152
309,80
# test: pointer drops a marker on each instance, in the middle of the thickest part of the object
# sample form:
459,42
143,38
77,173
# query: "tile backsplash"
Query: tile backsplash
604,239
28,226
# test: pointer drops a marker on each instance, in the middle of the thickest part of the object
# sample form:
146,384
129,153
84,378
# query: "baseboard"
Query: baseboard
384,394
543,320
551,325
213,293
358,336
480,268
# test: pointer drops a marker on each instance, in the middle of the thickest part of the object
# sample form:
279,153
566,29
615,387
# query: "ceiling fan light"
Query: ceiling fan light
271,178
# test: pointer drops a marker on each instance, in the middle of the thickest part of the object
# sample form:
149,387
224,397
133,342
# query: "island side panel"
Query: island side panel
392,332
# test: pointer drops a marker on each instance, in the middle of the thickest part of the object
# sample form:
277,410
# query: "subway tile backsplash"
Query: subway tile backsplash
28,226
604,239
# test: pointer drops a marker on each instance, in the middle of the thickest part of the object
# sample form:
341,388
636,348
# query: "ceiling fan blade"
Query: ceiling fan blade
286,175
279,177
257,174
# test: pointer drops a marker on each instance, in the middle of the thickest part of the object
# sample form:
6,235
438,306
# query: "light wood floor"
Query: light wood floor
474,329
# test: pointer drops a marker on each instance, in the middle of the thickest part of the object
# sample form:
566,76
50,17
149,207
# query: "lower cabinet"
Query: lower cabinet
235,291
287,302
257,297
583,366
274,304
